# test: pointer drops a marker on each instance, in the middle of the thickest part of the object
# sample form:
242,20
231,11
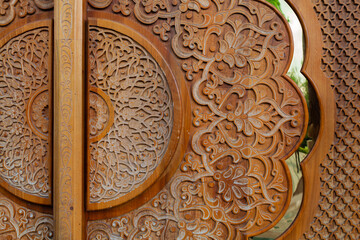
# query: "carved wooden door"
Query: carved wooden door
155,119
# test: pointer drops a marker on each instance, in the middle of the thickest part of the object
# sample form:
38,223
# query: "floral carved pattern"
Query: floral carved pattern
9,9
247,118
17,222
24,127
132,83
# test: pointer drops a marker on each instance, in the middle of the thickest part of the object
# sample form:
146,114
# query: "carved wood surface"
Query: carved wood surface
69,119
337,214
213,193
138,108
25,112
247,117
12,9
18,222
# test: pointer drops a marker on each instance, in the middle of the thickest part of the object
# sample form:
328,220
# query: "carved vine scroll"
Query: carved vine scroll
131,114
25,119
9,9
247,117
18,222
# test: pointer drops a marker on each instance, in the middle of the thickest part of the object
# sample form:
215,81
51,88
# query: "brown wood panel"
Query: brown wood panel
231,75
194,143
69,119
337,212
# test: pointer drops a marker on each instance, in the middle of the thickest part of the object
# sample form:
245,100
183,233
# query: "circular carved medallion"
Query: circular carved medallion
132,131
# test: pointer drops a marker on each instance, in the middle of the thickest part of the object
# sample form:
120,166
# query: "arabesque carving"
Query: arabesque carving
17,222
129,97
24,113
9,9
247,118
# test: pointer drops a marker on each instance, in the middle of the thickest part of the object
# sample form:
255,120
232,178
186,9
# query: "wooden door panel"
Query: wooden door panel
246,118
189,118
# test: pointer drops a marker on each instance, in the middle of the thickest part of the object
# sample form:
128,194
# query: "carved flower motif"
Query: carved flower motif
136,103
114,146
196,5
27,82
123,131
25,143
234,49
193,231
99,155
39,151
16,129
14,112
123,98
25,8
249,116
114,83
233,183
128,113
121,227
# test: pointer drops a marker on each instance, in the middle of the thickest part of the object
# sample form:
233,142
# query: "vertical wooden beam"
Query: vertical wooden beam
69,124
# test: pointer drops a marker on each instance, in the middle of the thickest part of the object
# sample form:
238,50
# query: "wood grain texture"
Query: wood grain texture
247,118
69,119
312,70
337,213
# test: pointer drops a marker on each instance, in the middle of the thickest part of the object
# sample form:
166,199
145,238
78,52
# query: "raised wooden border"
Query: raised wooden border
312,70
69,120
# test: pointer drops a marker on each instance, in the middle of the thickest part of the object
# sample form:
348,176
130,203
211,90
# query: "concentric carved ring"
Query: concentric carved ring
101,114
37,113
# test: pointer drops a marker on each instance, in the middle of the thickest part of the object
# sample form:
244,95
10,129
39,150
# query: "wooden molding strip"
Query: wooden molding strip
69,122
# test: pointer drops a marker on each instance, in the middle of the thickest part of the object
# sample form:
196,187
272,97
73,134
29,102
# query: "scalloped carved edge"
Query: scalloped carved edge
312,70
